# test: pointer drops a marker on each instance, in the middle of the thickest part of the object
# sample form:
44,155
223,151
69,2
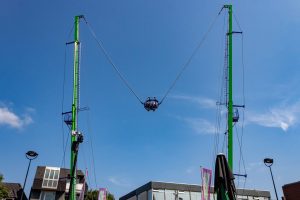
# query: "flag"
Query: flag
102,194
81,197
206,181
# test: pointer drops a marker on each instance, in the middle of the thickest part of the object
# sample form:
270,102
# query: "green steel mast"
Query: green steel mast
75,108
230,101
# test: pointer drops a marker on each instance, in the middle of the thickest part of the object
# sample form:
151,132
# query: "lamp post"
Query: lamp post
269,162
30,155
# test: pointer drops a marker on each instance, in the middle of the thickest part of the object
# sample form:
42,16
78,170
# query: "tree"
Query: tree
93,195
110,196
3,189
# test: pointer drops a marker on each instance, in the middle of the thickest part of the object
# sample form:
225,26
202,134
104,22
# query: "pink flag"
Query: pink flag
81,197
102,194
206,181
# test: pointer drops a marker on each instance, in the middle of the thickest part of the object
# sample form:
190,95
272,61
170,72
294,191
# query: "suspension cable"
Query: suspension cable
62,106
64,144
92,149
240,139
219,99
121,76
183,68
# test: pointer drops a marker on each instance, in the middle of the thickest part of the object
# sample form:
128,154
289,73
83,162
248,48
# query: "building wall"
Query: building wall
175,195
132,198
188,195
292,191
169,194
34,195
195,195
173,191
143,196
150,193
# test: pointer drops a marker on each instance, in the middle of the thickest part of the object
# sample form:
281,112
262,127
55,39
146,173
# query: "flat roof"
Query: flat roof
188,187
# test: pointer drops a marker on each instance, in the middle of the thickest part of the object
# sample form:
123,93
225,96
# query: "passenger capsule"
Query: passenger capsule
236,115
151,104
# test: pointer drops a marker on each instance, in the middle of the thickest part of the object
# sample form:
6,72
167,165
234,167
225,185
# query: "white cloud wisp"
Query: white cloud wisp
203,102
11,119
200,126
280,117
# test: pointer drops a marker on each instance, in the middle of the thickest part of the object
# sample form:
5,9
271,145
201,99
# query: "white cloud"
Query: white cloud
201,101
200,126
118,182
280,117
9,118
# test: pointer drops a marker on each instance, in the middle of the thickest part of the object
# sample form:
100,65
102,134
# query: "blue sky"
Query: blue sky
149,41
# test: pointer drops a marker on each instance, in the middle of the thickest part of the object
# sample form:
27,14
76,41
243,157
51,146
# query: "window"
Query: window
51,177
47,196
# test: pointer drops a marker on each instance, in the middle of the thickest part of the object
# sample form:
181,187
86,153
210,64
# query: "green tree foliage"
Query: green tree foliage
3,189
93,195
110,196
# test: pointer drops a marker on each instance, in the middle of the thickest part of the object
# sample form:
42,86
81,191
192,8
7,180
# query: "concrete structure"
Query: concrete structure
173,191
52,183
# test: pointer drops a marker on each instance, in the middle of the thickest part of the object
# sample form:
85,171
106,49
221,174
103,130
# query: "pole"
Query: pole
72,192
273,182
25,179
230,102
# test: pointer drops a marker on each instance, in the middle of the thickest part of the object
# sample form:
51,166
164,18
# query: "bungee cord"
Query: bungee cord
100,44
151,103
183,68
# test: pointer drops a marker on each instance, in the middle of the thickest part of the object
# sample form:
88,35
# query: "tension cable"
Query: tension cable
151,103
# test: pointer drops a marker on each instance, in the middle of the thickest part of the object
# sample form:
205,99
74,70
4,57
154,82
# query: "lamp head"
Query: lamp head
268,162
31,155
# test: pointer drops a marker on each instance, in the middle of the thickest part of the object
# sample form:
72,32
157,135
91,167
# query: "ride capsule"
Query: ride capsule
151,104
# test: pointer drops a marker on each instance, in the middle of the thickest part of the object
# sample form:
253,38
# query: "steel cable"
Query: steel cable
121,76
190,58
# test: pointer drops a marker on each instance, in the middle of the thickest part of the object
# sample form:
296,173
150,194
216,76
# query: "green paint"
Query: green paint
72,193
230,102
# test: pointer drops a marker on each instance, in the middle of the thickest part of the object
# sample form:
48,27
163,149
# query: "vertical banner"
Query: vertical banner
206,181
102,194
82,192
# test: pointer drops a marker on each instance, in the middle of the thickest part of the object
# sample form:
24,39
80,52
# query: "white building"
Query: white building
174,191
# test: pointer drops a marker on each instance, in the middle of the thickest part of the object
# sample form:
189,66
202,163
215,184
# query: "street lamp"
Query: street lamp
269,162
30,155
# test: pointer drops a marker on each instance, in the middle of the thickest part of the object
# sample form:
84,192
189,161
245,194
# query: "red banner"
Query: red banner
206,175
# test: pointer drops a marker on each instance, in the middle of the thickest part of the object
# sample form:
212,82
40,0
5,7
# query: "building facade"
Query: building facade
291,191
174,191
52,183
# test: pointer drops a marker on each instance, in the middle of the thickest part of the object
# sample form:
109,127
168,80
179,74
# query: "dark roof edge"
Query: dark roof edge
290,184
137,191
